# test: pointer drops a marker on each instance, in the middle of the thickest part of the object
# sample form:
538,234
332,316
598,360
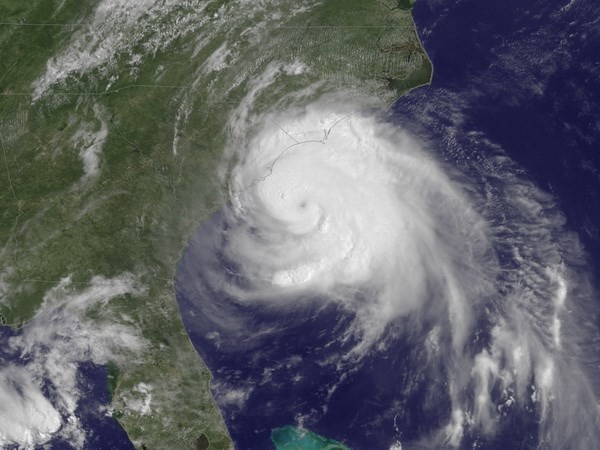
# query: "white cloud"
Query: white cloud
140,399
49,349
90,141
344,201
26,416
117,27
326,202
218,60
230,395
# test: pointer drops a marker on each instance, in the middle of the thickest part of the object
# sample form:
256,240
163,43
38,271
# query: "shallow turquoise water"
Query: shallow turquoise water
292,438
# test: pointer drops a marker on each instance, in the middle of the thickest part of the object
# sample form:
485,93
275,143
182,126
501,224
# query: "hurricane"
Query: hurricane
346,245
300,225
345,207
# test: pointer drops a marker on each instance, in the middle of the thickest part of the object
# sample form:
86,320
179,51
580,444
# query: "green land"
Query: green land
113,121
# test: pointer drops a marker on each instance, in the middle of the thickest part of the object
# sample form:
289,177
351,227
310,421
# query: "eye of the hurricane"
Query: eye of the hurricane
356,210
348,247
287,203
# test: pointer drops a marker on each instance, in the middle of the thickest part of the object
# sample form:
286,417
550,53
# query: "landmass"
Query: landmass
114,116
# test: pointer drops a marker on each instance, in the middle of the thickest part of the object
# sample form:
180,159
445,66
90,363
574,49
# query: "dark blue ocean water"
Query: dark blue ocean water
102,431
523,76
526,75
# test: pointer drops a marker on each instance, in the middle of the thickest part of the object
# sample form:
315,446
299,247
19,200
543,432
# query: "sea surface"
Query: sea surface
520,76
102,431
526,76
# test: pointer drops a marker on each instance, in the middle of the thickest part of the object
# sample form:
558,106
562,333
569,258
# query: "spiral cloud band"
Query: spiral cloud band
330,206
339,203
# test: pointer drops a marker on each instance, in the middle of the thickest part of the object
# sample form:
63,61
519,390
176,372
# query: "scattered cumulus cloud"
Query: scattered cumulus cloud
90,139
48,351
